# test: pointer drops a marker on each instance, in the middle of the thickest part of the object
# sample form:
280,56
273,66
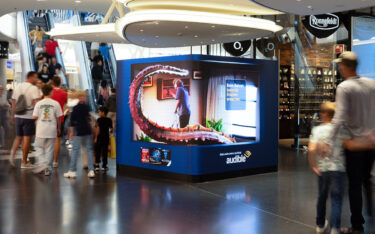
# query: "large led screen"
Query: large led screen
194,103
363,44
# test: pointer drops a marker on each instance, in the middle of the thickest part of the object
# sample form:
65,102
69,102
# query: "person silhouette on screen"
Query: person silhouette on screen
183,104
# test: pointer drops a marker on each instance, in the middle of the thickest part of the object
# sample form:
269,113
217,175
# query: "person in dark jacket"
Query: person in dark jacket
97,74
110,104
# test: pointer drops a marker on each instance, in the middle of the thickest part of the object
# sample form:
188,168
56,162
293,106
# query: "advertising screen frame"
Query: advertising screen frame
203,162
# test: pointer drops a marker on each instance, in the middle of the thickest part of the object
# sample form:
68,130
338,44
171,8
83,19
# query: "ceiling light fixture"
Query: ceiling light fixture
239,27
77,1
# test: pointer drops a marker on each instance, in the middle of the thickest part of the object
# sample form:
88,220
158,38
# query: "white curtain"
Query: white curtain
216,109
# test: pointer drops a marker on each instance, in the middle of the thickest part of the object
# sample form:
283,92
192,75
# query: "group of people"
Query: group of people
345,143
44,114
100,59
45,55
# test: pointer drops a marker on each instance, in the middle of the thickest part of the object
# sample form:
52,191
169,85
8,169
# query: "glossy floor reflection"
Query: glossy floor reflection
282,202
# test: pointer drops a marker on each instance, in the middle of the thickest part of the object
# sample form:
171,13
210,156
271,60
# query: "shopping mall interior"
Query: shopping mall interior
187,117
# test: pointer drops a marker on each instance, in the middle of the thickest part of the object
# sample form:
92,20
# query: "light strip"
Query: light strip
195,17
213,6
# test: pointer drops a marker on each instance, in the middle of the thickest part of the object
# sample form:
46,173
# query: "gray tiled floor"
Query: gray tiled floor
282,202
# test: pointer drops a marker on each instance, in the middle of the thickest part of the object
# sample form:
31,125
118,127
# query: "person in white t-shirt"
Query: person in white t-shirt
24,123
48,114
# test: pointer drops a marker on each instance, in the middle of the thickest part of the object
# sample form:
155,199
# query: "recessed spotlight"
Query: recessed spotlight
196,36
213,40
186,26
157,36
310,7
179,34
156,22
141,30
213,26
298,0
278,21
41,0
77,1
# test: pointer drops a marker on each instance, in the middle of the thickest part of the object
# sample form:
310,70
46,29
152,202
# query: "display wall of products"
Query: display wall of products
313,85
287,93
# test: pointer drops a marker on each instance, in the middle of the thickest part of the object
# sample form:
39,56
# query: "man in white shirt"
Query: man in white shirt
4,106
48,114
24,124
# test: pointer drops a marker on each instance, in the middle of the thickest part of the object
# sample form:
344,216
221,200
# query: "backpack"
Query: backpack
21,104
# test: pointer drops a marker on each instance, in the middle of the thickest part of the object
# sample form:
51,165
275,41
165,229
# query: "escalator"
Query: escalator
110,68
75,56
46,23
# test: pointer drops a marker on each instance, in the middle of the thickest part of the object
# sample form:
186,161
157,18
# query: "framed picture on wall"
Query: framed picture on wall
197,75
148,82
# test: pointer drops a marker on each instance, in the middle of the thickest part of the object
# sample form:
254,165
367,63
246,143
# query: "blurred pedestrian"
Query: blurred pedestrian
80,132
24,98
48,114
355,99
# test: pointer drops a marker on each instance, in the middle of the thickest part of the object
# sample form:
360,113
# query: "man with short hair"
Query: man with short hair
62,98
24,123
355,100
55,68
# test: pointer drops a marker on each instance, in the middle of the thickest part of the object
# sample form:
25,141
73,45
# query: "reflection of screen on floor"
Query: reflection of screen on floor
223,105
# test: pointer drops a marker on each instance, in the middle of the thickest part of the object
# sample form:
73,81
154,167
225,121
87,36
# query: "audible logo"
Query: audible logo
239,158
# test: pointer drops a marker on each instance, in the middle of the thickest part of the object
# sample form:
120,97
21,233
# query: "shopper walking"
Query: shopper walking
62,98
48,114
4,110
97,75
330,171
24,99
110,104
355,101
104,92
80,132
103,128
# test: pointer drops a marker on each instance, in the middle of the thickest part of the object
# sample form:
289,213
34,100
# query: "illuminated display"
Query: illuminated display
169,106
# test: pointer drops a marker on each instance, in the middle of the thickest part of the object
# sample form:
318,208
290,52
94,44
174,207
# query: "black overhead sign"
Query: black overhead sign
237,48
324,25
4,49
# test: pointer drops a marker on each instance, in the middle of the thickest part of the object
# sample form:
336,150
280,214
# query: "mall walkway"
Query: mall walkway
281,202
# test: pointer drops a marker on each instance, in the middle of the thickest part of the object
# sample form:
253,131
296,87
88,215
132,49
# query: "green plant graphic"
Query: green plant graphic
143,138
216,125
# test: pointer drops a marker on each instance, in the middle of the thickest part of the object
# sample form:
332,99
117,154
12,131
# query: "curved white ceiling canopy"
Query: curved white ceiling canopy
91,33
314,7
174,28
234,7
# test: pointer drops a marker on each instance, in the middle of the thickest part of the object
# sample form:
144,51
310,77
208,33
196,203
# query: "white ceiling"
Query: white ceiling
174,34
100,6
91,33
235,7
170,28
311,7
